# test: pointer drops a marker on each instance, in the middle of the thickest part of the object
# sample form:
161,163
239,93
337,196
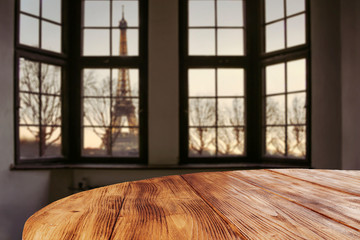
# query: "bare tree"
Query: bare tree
275,136
202,114
297,116
44,108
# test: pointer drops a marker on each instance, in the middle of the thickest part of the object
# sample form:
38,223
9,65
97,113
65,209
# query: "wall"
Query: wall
22,193
350,63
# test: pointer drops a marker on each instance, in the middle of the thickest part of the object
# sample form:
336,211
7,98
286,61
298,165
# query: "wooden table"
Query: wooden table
254,204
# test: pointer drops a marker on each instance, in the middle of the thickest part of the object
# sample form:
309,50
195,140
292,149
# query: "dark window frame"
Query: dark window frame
72,63
253,63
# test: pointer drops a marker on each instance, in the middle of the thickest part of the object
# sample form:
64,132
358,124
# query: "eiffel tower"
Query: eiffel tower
124,107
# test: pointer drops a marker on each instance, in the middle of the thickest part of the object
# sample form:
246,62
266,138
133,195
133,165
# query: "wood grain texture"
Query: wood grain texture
255,204
260,214
336,205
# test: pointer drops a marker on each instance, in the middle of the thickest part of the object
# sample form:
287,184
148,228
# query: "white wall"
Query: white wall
21,193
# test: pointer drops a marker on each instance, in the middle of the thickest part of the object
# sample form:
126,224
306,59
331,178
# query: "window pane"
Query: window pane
97,112
230,42
96,42
131,13
30,6
97,13
29,76
95,140
297,141
275,36
202,112
29,143
29,31
51,9
50,110
296,75
127,79
29,109
296,30
294,6
201,42
125,142
51,37
274,9
201,13
52,146
275,140
296,108
230,13
96,82
50,79
275,110
231,112
275,78
201,82
125,112
230,82
201,142
231,141
132,36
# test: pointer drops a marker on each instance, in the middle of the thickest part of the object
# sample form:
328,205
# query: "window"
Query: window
81,81
244,81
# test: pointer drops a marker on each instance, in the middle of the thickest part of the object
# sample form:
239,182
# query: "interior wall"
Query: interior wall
326,84
22,193
350,75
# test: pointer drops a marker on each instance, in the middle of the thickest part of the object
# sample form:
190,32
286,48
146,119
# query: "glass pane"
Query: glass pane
275,140
29,143
96,82
296,30
52,146
230,13
97,13
202,142
294,6
125,82
230,82
125,112
231,141
51,9
29,108
230,42
132,43
275,36
125,142
51,37
201,13
275,110
201,42
231,112
50,79
29,31
296,75
296,108
201,82
30,6
131,13
297,141
202,112
97,111
29,80
50,110
96,42
275,78
95,141
274,9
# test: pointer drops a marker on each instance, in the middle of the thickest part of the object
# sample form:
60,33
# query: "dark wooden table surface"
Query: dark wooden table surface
252,204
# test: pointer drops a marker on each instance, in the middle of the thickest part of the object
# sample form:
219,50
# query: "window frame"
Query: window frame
253,62
72,63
